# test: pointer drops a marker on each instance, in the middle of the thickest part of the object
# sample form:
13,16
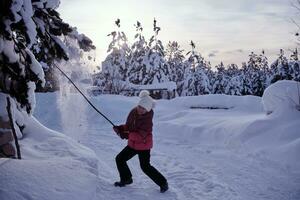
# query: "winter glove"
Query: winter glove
118,129
121,131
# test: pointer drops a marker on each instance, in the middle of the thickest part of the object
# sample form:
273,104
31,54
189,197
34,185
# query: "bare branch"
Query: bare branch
296,5
296,23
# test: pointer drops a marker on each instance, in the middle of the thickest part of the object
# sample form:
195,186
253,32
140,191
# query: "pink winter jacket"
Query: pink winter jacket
140,130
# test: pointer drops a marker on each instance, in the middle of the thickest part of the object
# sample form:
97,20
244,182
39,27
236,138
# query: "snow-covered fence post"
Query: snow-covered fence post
13,128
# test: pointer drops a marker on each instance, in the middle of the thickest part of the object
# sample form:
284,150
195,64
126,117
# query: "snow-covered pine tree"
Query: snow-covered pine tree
235,83
19,69
137,68
30,39
210,74
190,63
175,58
246,80
294,55
52,33
233,70
234,86
115,65
294,63
196,82
202,83
281,69
253,82
157,69
220,81
265,72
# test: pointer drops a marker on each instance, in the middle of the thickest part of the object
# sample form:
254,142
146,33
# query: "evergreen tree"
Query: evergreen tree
264,69
30,39
190,64
234,86
175,58
221,80
137,67
235,82
294,64
156,66
233,70
294,55
115,65
253,83
281,70
246,80
49,46
19,69
196,82
210,74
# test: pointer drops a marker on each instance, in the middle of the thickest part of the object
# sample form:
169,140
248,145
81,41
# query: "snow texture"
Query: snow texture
170,86
36,67
9,50
53,167
27,14
229,154
282,96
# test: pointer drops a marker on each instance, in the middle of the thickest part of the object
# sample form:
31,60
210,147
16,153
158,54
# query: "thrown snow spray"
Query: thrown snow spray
73,107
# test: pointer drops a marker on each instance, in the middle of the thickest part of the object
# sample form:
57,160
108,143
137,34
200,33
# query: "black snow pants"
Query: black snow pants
144,156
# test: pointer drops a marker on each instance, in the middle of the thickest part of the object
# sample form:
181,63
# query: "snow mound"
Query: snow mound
219,101
53,166
170,86
241,125
282,96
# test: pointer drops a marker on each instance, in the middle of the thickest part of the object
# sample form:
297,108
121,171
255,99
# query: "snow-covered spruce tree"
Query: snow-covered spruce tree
294,63
52,35
30,40
220,81
19,69
233,70
175,60
281,70
157,69
115,65
246,80
264,69
234,86
196,82
210,74
235,82
253,83
190,63
139,48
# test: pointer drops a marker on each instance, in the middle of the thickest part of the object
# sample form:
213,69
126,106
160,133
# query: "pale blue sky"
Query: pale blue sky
223,30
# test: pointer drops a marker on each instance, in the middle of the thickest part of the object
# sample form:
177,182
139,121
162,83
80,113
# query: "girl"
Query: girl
138,131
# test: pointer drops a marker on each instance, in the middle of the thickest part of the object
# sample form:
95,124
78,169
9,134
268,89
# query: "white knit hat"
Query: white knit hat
146,101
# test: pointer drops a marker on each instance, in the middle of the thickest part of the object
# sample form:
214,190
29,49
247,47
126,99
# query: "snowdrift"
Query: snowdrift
282,96
53,166
239,123
242,124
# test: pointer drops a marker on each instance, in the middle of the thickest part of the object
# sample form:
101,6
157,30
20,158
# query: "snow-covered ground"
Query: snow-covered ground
236,152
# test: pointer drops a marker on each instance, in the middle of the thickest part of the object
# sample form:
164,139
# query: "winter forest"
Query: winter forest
144,62
148,116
